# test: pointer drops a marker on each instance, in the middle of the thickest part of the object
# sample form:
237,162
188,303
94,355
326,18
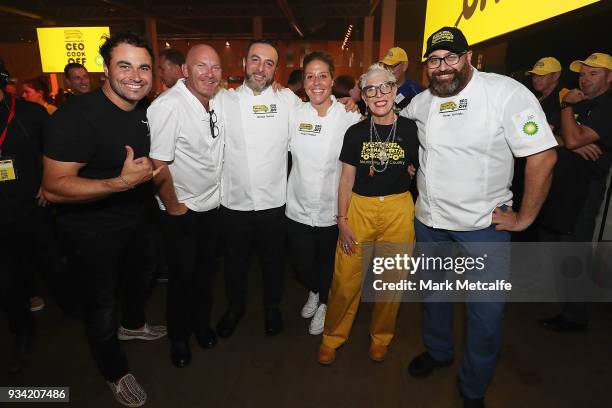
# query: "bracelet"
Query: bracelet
564,105
125,181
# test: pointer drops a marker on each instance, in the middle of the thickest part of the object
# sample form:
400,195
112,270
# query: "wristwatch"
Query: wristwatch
564,105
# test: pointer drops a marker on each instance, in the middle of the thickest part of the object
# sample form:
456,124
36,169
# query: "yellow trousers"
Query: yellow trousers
387,219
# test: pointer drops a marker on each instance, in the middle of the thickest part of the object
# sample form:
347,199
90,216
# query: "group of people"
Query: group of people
216,162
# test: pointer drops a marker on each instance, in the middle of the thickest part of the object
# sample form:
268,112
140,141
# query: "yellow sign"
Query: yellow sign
62,45
481,20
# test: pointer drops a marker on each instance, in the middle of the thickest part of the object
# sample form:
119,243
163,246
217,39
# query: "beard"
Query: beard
255,86
446,88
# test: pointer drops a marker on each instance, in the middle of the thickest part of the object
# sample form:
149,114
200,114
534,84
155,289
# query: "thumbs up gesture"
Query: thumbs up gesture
138,171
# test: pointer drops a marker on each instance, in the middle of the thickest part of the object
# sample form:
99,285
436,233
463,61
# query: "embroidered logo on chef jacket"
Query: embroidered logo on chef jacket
453,108
393,151
309,129
527,124
265,111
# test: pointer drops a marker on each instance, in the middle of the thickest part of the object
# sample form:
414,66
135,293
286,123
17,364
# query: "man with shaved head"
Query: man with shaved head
186,144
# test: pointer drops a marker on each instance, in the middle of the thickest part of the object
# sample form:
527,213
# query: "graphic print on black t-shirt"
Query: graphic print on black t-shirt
358,150
91,129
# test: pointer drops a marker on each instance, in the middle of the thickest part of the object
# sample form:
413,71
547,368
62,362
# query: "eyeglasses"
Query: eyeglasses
212,121
450,59
371,90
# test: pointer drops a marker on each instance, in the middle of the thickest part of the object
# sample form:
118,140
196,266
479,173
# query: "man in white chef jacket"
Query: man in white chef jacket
186,143
471,124
254,186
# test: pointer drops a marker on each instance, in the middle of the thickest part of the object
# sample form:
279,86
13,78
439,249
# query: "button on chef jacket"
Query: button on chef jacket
255,156
315,143
180,134
467,144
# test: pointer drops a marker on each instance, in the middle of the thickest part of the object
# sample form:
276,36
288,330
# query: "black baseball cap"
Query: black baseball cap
446,38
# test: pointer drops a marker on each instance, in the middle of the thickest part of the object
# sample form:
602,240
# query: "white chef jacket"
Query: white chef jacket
315,144
257,138
467,144
180,135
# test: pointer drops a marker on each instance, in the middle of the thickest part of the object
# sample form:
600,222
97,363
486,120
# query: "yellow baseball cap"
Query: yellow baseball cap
546,65
596,60
394,56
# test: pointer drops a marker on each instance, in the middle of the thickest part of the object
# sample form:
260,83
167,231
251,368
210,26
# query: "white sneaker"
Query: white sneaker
128,392
145,333
310,307
318,321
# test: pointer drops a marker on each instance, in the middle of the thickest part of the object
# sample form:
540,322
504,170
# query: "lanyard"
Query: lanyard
8,122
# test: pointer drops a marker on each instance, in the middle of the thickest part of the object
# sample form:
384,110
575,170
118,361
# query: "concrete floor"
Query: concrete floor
536,368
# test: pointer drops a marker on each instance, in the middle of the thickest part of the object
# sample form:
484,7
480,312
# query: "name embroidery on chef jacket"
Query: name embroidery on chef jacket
265,111
308,129
453,108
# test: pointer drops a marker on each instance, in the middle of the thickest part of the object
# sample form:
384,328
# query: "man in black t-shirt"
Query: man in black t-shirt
21,125
96,166
586,128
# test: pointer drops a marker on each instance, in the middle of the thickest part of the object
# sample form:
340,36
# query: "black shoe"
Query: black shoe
423,365
274,322
180,354
21,352
207,338
473,402
228,323
469,402
561,325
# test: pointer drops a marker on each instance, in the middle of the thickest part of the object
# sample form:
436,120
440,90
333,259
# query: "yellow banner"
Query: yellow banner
481,20
62,45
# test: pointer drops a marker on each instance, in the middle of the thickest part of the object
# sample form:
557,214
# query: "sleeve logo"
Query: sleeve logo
530,128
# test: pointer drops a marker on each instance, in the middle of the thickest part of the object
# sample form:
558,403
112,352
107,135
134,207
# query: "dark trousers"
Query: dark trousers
484,319
191,241
584,230
264,231
110,266
312,251
15,248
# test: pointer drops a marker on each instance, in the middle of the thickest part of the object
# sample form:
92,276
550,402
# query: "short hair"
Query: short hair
320,56
39,84
72,65
376,69
342,86
174,56
296,76
263,41
126,37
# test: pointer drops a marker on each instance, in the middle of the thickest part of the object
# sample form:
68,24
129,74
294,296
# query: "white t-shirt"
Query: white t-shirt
180,135
467,144
257,138
315,144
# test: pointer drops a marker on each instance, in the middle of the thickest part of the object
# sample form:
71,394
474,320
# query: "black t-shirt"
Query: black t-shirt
91,129
359,152
572,174
22,145
597,114
552,110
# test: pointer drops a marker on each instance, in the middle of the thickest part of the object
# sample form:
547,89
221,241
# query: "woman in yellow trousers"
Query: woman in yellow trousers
374,206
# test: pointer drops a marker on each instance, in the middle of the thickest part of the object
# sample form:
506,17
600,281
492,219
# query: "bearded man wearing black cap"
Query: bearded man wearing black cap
471,124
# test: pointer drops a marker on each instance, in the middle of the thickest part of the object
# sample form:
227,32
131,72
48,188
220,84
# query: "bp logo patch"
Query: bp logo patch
530,128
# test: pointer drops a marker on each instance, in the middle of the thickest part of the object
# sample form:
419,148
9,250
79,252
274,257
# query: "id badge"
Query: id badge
7,169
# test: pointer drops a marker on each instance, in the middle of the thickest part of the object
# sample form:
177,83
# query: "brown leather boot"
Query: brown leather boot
327,355
377,352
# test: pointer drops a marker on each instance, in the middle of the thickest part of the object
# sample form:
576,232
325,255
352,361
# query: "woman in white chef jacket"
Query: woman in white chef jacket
316,134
